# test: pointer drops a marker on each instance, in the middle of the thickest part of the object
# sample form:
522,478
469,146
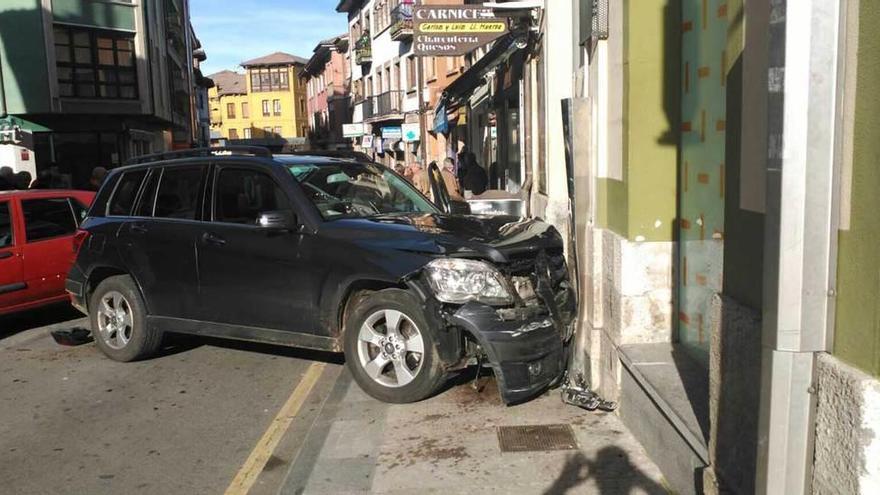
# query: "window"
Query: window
279,131
245,111
6,234
411,73
276,107
305,130
269,79
430,68
95,64
241,196
179,192
230,110
247,132
302,106
267,131
47,218
233,133
265,108
125,194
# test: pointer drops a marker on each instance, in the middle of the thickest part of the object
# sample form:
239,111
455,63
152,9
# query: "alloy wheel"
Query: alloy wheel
114,320
390,348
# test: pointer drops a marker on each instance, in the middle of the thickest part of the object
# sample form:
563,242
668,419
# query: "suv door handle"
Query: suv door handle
6,254
209,238
138,229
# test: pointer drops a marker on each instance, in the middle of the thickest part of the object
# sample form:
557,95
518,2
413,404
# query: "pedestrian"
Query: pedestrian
98,174
43,180
448,173
23,180
7,179
473,177
413,172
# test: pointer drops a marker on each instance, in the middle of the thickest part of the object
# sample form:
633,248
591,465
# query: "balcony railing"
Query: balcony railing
402,21
383,105
363,49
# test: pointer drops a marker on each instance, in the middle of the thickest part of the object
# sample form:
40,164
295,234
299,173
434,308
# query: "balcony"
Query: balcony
402,22
386,105
363,49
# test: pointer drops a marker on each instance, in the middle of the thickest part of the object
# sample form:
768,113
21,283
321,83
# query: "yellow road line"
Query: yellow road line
255,463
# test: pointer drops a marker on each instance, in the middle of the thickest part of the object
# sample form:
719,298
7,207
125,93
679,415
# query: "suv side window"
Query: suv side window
180,192
148,197
125,194
47,218
6,234
242,194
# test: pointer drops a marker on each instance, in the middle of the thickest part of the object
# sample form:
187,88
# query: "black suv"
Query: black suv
321,253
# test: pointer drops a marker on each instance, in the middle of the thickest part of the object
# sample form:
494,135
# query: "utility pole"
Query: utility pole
423,123
2,93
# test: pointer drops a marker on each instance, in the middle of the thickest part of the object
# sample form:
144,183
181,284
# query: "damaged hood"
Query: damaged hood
492,237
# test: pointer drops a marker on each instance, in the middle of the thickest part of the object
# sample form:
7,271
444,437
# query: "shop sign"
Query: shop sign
25,155
367,141
411,132
395,132
352,130
452,30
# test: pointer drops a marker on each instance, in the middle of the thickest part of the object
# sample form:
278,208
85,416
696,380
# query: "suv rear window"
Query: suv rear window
125,193
47,218
179,192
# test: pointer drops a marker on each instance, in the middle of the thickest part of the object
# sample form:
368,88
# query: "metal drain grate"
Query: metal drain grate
536,438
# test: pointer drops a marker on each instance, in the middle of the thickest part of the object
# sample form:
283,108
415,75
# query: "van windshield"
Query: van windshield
358,190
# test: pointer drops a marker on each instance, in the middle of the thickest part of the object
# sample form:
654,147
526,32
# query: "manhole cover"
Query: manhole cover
536,438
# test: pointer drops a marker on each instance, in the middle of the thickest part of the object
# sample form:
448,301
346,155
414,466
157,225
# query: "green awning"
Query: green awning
11,122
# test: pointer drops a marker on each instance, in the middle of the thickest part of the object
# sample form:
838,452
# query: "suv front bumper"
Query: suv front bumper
527,354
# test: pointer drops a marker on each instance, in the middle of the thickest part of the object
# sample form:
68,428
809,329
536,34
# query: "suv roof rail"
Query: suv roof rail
197,152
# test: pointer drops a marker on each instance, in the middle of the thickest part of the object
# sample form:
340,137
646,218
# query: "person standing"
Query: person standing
448,173
97,178
7,179
473,177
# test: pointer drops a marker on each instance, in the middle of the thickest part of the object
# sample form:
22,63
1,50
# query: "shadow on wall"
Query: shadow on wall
611,471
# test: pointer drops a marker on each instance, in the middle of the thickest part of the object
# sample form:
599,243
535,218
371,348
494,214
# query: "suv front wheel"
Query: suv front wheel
119,324
390,349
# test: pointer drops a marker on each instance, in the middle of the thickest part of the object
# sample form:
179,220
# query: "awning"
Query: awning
10,122
460,89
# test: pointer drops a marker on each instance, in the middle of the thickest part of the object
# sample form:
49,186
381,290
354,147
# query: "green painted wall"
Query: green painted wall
857,329
633,207
23,57
94,13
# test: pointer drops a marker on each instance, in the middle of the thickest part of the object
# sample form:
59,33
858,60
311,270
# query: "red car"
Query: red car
37,230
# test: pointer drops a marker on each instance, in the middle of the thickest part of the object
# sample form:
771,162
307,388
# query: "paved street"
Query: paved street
208,416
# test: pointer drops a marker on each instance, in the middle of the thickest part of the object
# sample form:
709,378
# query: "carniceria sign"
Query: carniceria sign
452,30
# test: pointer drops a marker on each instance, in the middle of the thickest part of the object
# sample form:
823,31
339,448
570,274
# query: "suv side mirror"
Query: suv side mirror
282,220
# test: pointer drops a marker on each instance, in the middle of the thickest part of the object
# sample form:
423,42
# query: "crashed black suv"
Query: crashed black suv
321,253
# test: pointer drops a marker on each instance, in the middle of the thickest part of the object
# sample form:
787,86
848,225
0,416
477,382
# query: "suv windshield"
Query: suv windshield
357,190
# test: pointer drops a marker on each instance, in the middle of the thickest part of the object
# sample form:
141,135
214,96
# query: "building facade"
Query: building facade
264,106
94,83
719,159
384,81
327,77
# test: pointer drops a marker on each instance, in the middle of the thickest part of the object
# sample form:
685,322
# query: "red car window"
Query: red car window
47,218
6,233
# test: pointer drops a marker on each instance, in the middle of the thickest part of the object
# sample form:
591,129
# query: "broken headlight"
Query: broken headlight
458,281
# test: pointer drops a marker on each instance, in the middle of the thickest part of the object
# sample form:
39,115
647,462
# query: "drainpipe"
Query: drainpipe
2,93
801,225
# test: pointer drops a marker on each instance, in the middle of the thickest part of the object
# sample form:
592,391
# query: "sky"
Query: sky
232,31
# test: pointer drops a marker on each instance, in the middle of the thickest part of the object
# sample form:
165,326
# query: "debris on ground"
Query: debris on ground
576,393
73,337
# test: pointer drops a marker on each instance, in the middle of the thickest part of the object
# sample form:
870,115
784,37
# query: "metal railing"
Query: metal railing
387,103
402,21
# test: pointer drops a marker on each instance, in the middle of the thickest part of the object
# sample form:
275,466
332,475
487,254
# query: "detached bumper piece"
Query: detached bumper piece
75,286
527,354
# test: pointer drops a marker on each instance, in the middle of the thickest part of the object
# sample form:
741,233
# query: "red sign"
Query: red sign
25,155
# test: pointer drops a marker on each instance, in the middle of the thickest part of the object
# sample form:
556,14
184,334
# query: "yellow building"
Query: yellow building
267,102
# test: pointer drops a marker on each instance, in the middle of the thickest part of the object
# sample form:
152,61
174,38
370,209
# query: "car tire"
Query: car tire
376,356
118,318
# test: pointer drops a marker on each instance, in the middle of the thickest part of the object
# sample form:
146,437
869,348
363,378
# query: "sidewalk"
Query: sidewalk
449,444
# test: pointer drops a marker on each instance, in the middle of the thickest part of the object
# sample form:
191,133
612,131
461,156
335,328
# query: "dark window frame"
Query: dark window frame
94,67
70,211
11,213
136,196
211,215
198,208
